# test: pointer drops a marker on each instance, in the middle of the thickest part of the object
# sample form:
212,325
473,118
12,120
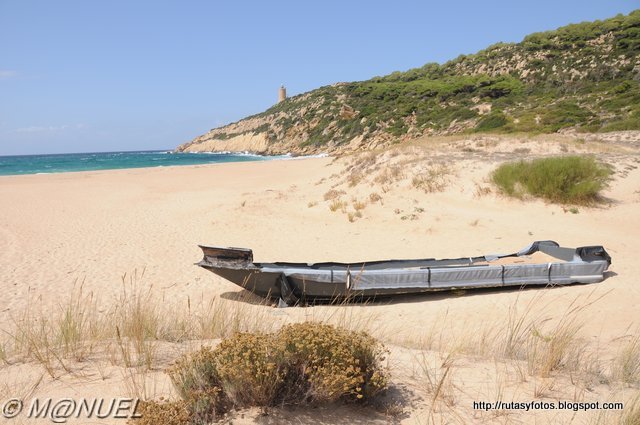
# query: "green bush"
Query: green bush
568,179
628,123
564,114
302,363
492,121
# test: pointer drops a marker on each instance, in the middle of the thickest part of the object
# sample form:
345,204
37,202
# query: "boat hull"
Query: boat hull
296,283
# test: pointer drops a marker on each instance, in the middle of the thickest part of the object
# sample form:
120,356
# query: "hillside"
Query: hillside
582,76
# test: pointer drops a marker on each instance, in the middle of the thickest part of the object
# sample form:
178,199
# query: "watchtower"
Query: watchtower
282,94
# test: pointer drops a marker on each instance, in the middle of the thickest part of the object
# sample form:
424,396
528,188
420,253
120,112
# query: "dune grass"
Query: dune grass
631,414
626,365
127,330
549,352
566,179
435,373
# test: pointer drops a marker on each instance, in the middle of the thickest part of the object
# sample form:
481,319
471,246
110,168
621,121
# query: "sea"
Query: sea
69,162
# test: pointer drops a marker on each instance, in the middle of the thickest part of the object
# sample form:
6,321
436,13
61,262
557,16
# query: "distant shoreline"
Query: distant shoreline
100,161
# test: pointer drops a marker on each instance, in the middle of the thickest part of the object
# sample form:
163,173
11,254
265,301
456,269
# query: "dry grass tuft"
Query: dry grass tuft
353,215
374,197
482,191
127,334
631,414
4,353
333,194
138,321
51,339
435,179
354,178
337,204
358,205
544,388
626,364
553,350
392,410
389,175
436,378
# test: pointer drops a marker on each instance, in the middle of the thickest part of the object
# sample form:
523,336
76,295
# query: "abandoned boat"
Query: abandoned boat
541,263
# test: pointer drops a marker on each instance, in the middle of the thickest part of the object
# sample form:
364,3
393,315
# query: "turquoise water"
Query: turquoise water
62,163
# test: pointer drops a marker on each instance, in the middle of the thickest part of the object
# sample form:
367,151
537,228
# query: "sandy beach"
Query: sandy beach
62,233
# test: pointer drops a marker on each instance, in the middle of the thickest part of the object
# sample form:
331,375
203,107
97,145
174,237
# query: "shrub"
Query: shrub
198,383
333,363
630,123
303,363
435,179
163,412
249,369
492,121
564,114
569,179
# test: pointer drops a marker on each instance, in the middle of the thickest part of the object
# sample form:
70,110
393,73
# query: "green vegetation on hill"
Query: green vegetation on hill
584,76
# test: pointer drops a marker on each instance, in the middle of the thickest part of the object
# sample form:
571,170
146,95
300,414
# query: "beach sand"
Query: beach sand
63,233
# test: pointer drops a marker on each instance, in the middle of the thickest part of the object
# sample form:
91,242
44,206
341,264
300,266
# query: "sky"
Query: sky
96,76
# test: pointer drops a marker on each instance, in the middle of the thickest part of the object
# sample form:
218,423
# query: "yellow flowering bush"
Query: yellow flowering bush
250,369
166,413
302,363
335,363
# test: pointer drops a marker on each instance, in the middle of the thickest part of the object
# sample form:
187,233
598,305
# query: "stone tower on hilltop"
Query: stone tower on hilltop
282,94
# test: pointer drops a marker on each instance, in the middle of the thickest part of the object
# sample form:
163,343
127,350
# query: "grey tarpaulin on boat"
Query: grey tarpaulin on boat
568,269
295,283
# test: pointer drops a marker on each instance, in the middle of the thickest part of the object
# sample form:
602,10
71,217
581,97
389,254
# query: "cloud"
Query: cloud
48,129
5,74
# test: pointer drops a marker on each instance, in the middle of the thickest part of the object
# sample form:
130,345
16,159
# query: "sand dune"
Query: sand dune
60,231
